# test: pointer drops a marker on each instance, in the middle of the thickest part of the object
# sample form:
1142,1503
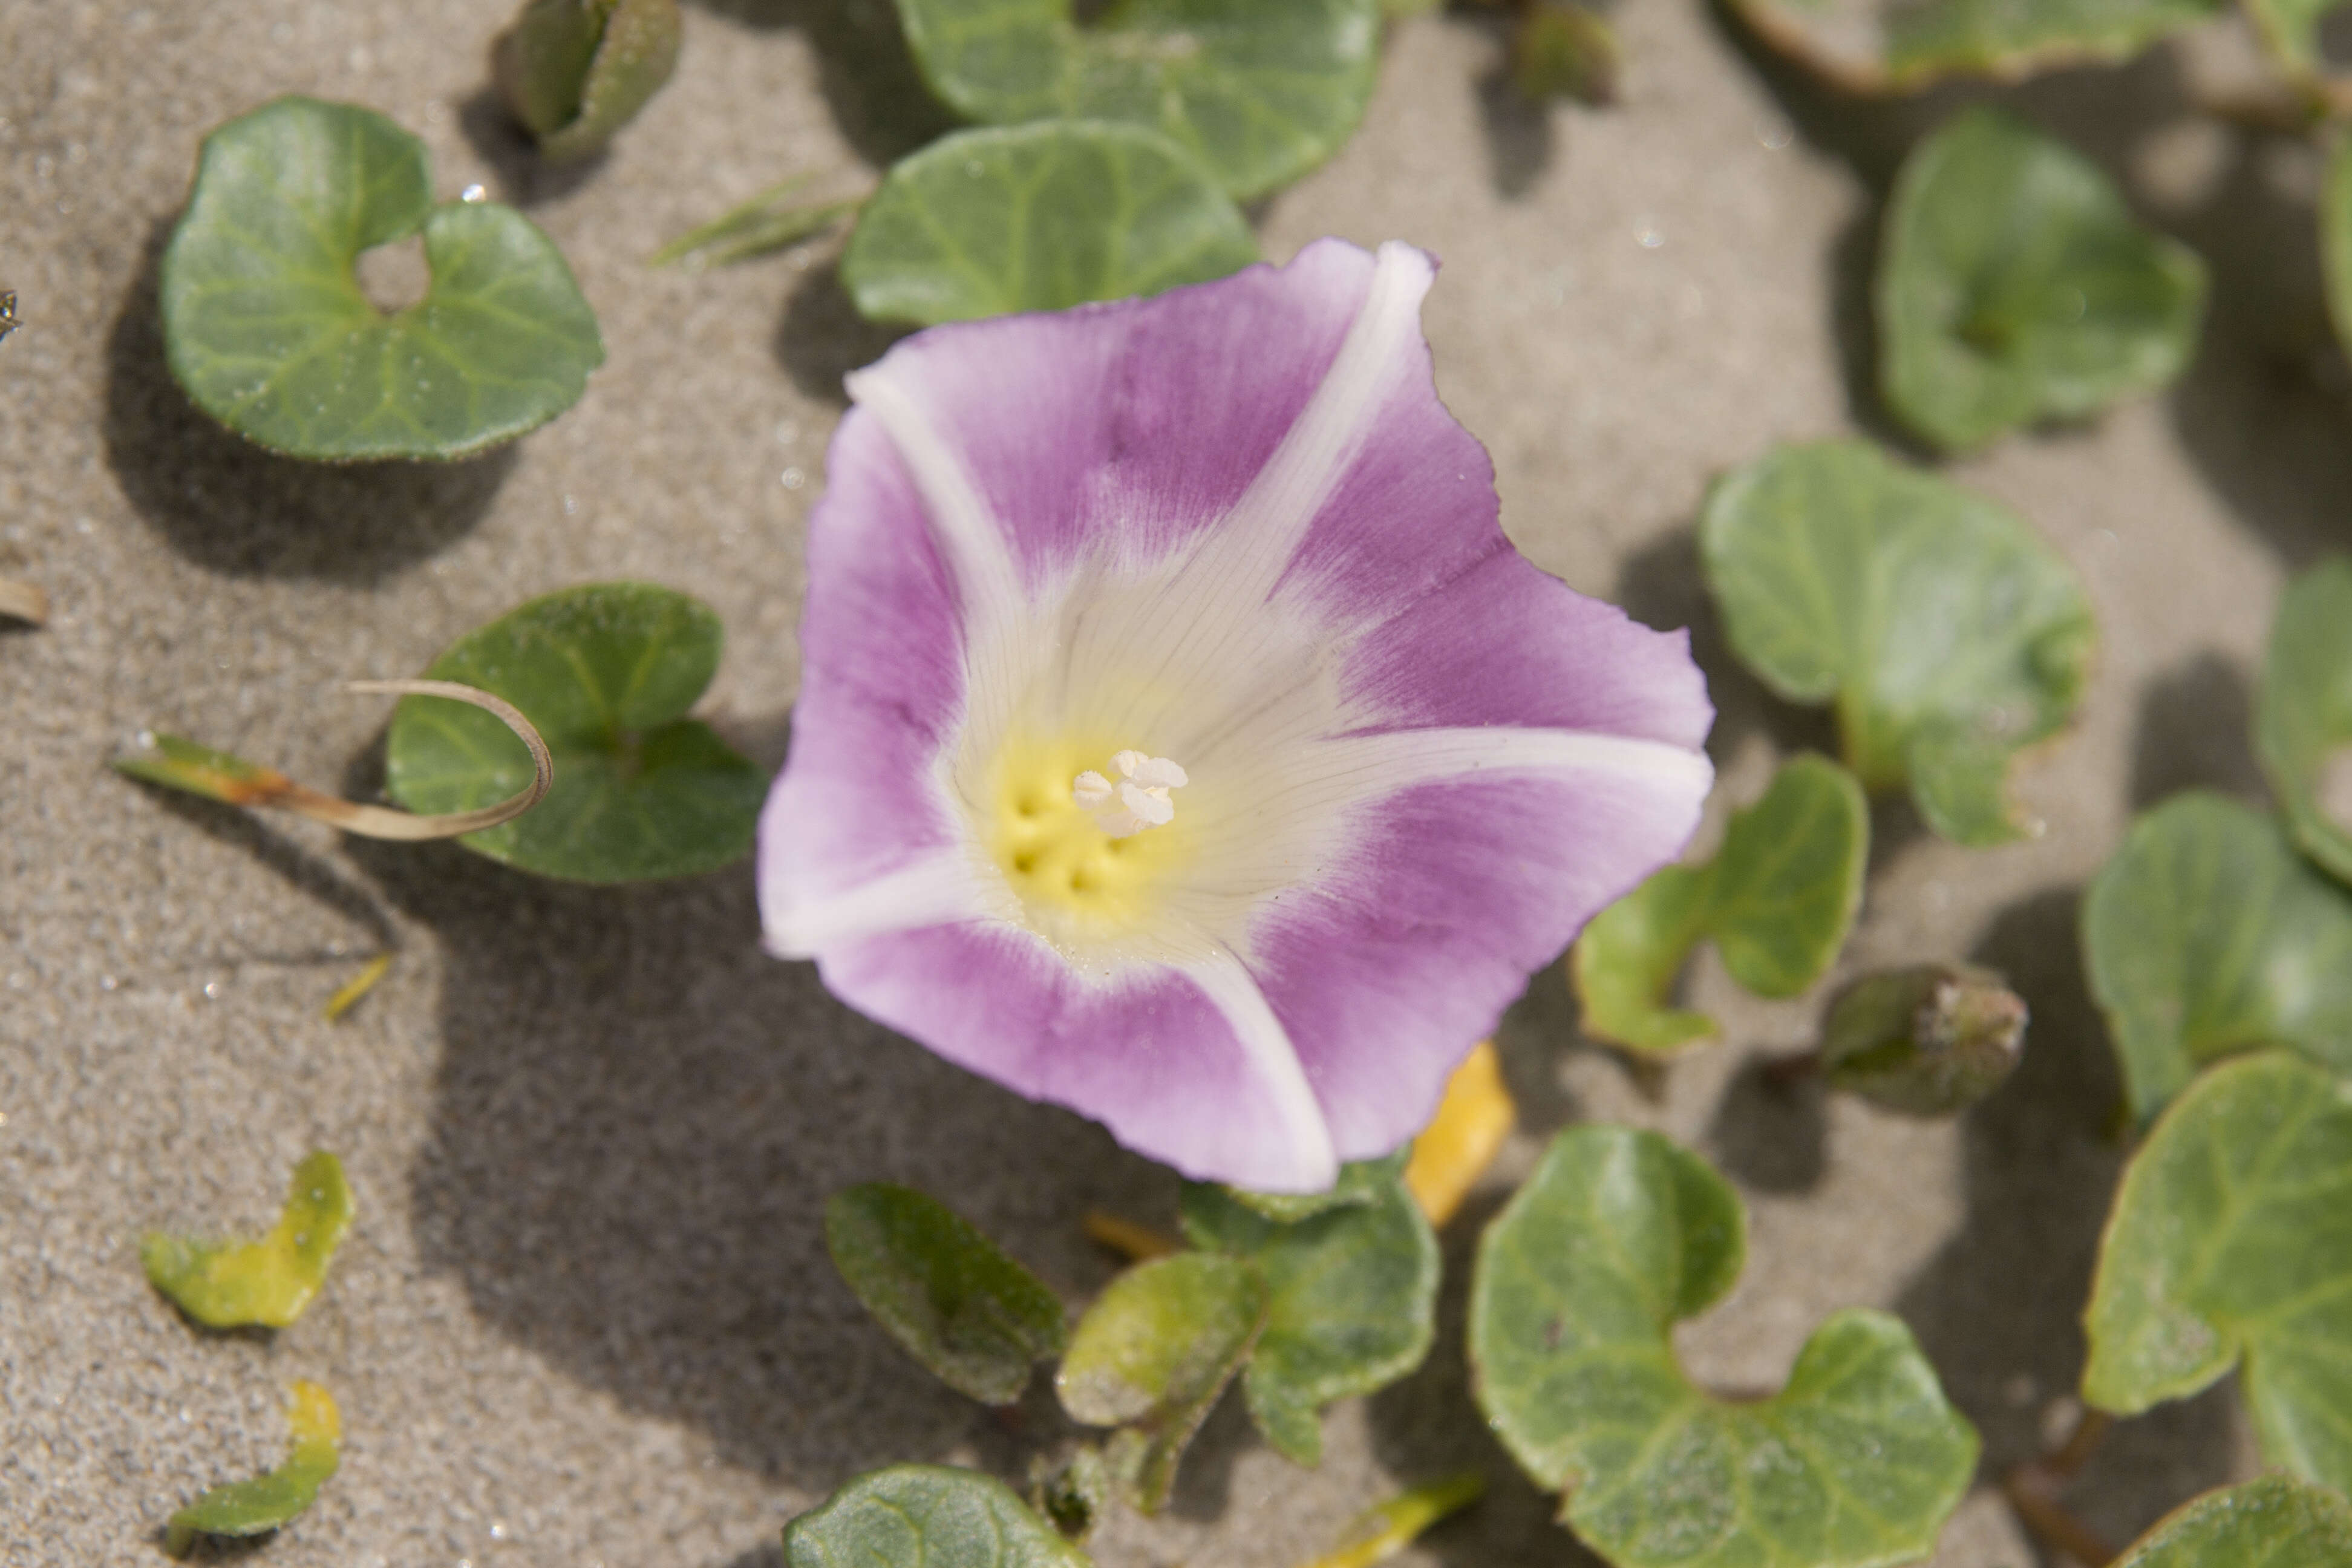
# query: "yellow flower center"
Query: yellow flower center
1074,878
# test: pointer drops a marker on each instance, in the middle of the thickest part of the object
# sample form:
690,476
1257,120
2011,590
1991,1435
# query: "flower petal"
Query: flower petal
882,685
1142,420
1392,966
1191,1067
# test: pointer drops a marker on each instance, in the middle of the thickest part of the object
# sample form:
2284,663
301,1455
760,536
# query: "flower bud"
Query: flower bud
1929,1040
575,71
1564,50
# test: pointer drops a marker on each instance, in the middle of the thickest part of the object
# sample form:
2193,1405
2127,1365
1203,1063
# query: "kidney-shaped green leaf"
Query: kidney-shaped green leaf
1947,634
1900,45
1350,1306
2206,935
2230,1245
1155,1351
606,672
264,1283
1260,93
266,326
944,1292
1779,899
2274,1521
926,1516
2014,285
1039,217
1619,1236
259,1506
2303,723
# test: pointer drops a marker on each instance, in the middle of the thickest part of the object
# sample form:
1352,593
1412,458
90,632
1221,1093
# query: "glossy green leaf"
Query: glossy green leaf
1351,1302
2303,723
575,71
236,1284
1947,633
1038,217
1777,899
266,327
1927,1039
2206,935
1155,1351
1258,93
2274,1521
1619,1236
2014,286
1897,45
607,673
926,1516
2231,1246
259,1507
946,1293
1361,1182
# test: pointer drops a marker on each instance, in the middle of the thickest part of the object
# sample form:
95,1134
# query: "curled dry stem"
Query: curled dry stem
24,601
2032,1490
1136,1243
183,764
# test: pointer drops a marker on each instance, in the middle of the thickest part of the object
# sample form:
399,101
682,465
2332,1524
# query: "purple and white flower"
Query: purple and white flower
1181,739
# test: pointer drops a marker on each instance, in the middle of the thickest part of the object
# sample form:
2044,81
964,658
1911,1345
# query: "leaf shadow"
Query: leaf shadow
2195,730
230,506
637,1119
1429,1424
879,100
1772,1133
1998,1311
309,874
525,178
821,337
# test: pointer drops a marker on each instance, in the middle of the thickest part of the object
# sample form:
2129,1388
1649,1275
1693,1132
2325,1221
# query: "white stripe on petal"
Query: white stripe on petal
1236,994
1271,517
1384,764
978,550
939,890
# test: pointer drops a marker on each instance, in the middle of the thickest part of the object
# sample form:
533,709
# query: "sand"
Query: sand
586,1317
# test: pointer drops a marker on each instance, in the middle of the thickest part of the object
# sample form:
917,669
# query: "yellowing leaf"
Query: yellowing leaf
1379,1533
227,1285
259,1506
1462,1140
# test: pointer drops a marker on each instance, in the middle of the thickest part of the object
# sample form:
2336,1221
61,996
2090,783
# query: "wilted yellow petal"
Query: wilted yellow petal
1463,1139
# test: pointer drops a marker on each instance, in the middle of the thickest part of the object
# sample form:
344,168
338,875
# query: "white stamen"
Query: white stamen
1139,800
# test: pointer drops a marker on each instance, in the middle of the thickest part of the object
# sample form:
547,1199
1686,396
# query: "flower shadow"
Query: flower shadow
1998,1309
637,1120
228,505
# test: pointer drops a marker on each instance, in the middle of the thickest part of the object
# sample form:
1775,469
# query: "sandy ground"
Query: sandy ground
585,1316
